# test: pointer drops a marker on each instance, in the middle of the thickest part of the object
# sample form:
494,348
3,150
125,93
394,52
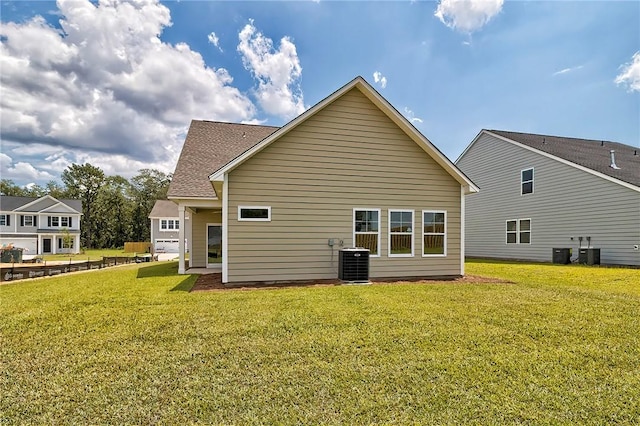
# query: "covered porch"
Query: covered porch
205,237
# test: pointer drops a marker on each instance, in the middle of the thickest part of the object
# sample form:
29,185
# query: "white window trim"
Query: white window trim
25,216
167,229
522,182
529,231
445,232
4,216
241,219
353,227
517,231
506,231
413,227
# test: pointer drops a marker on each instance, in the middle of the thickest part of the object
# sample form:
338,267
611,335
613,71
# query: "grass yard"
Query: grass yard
558,345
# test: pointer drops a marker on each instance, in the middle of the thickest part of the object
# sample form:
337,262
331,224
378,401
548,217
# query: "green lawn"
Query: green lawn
558,345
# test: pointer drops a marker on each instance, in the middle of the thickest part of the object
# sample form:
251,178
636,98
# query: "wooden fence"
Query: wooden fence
137,247
43,270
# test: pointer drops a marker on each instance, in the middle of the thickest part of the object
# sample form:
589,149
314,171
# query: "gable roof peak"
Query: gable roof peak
592,154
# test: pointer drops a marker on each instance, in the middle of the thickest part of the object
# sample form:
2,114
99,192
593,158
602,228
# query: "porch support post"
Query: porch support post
225,229
181,216
462,228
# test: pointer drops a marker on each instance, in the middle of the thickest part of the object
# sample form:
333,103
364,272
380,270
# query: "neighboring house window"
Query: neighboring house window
527,181
519,231
254,213
169,224
5,220
434,233
61,243
366,230
57,221
400,233
27,220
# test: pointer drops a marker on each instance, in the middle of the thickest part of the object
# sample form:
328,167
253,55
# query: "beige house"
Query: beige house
275,204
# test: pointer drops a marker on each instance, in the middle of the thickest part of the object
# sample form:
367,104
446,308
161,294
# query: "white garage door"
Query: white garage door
166,246
26,243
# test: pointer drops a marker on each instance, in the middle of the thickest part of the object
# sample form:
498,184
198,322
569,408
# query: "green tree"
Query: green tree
8,187
147,186
113,207
84,182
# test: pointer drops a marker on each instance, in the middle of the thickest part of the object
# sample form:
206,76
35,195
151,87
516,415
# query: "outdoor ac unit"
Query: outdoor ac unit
353,264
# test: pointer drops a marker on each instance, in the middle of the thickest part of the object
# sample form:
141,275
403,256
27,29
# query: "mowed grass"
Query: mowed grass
558,345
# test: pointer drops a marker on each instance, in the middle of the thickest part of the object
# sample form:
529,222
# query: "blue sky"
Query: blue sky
116,84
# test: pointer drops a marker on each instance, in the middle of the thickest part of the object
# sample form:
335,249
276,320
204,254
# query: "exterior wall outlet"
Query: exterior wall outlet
636,247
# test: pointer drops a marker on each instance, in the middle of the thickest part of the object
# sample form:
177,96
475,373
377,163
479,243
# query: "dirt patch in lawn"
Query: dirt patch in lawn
209,282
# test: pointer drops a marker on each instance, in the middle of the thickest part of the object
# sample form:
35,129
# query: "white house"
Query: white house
542,192
42,225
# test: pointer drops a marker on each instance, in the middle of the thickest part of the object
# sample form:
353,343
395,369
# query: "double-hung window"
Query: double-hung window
434,233
4,220
519,231
366,230
526,181
400,233
27,220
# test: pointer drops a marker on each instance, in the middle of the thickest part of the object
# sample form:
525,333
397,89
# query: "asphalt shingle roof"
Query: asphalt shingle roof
589,153
164,208
210,145
10,203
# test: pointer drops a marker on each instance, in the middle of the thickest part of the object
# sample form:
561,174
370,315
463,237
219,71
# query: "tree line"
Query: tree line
115,210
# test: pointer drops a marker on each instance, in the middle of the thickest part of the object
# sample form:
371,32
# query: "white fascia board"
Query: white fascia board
37,200
563,161
470,145
64,209
384,106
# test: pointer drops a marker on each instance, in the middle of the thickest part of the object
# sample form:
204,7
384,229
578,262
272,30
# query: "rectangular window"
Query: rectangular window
400,233
366,230
519,231
512,231
27,221
64,222
434,233
169,224
4,220
55,221
527,181
254,213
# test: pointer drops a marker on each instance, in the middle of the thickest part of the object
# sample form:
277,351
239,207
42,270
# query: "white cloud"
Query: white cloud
22,171
107,86
566,70
409,115
278,72
379,78
630,74
467,15
213,39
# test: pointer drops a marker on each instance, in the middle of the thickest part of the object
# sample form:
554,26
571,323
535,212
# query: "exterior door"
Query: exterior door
214,245
46,245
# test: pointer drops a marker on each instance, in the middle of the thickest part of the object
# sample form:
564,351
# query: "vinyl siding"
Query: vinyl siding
348,155
567,202
198,243
174,234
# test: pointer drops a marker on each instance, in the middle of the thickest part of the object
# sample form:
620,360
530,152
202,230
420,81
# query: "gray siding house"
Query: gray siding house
40,225
275,204
165,227
540,192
